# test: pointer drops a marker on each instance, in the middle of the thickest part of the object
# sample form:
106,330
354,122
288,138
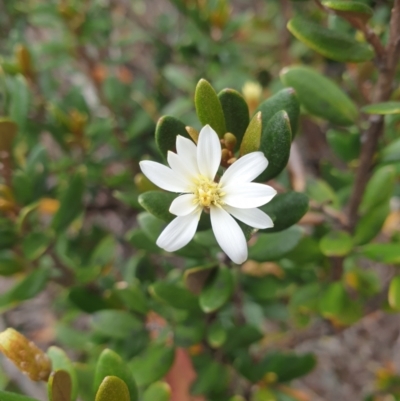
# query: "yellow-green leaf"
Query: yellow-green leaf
252,136
112,388
382,108
59,386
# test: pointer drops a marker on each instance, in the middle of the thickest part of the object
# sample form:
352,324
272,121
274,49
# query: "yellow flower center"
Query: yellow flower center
208,193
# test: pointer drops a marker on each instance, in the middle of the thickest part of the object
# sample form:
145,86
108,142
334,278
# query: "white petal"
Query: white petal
208,152
248,195
180,169
187,151
163,176
245,169
183,205
228,234
252,217
179,232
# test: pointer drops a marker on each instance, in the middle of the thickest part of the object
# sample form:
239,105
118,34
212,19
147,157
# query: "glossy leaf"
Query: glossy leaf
336,243
320,95
287,100
379,188
61,362
167,130
71,202
331,44
209,108
59,386
274,246
116,323
236,113
8,131
353,11
394,293
252,137
286,210
111,364
275,144
112,388
175,296
382,108
158,391
217,291
152,364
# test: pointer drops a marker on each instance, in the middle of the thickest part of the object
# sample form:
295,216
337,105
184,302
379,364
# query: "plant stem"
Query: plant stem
370,138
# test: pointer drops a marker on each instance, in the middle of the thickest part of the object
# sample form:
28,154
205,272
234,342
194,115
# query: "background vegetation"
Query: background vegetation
82,87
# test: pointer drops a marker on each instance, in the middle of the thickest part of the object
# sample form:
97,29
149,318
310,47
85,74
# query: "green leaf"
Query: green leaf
87,299
346,145
158,203
275,143
35,244
382,108
174,295
140,240
116,323
60,361
8,131
20,101
286,210
331,44
263,288
335,304
320,95
209,108
352,11
391,153
9,263
274,246
236,113
394,293
167,129
59,386
216,335
7,396
336,243
385,253
212,378
241,337
111,364
379,189
189,332
217,291
31,285
252,137
153,364
112,389
158,391
151,226
132,296
70,202
286,99
369,225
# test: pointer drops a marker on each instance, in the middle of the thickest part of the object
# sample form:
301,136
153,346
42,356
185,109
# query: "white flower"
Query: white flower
192,173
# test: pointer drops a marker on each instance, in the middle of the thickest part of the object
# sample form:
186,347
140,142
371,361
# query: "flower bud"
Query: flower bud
25,354
230,141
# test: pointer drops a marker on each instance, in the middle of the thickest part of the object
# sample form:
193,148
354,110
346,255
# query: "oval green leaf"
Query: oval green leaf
167,129
217,290
286,99
331,44
382,108
384,253
158,391
320,95
111,364
209,108
252,136
353,11
286,210
336,243
112,389
275,143
236,113
158,203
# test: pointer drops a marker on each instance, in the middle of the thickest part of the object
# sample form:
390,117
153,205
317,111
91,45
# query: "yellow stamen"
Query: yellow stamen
207,193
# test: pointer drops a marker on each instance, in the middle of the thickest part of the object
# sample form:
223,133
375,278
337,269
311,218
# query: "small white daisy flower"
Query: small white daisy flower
192,173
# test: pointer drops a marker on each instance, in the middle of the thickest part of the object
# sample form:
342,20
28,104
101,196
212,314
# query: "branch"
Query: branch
382,92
